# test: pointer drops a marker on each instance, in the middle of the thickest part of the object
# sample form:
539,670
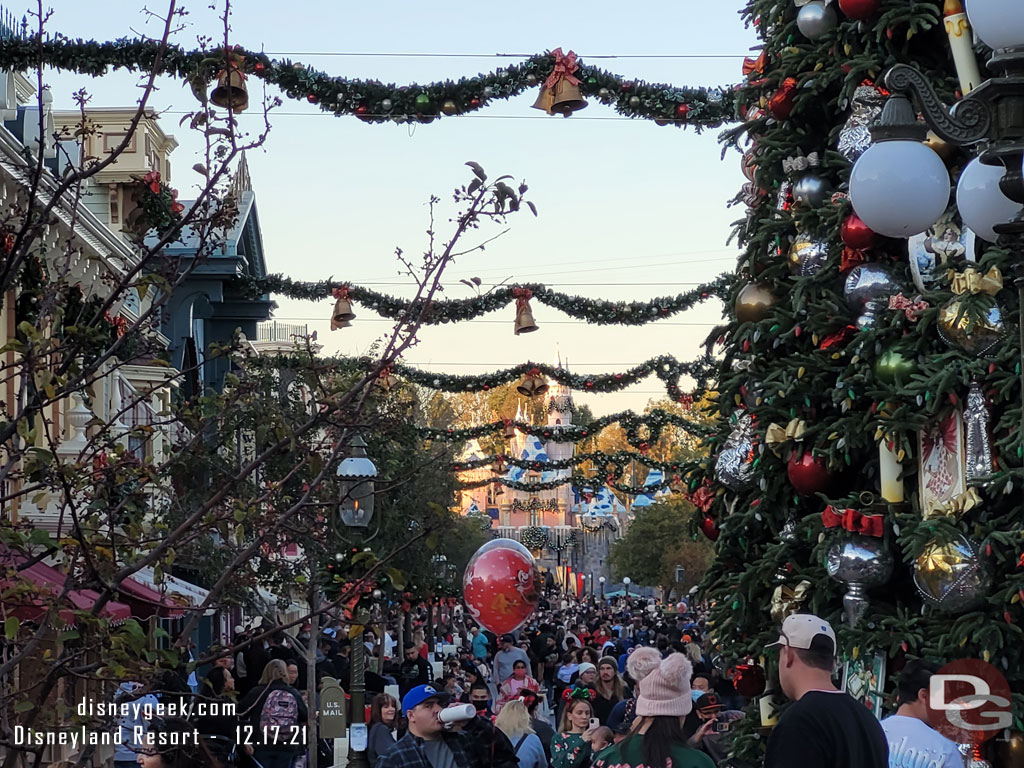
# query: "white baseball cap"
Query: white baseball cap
807,632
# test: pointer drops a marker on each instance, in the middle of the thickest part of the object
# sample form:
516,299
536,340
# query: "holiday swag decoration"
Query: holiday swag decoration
840,380
561,77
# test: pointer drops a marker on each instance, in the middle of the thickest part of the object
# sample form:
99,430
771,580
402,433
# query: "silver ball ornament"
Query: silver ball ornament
386,105
811,191
488,92
807,256
604,94
859,562
815,20
634,101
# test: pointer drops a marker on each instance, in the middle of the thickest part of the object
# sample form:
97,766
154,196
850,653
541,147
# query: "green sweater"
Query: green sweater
629,754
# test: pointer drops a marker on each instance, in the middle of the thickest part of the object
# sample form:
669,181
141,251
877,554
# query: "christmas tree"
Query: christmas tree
869,403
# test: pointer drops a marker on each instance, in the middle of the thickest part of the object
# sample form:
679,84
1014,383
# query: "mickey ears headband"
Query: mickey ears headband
577,693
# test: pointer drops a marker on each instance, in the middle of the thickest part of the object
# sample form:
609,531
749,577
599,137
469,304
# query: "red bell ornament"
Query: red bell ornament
502,585
856,234
807,473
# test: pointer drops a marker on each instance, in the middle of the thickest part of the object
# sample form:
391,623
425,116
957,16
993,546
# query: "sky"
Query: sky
627,209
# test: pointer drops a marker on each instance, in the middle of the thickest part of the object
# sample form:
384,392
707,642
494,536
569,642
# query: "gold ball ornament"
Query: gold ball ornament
753,303
954,576
941,148
449,107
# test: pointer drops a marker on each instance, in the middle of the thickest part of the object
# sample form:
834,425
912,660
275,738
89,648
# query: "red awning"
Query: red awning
146,602
31,607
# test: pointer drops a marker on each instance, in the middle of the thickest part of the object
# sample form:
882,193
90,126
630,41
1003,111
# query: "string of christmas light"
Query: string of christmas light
371,100
593,311
687,471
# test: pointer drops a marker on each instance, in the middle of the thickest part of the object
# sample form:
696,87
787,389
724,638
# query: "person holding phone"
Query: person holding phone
570,749
714,735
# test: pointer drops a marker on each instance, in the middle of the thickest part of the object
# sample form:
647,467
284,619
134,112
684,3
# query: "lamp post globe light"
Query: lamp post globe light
626,582
999,23
601,582
356,475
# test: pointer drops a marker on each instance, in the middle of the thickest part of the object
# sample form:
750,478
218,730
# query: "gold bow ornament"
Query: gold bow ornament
776,436
787,600
972,281
956,507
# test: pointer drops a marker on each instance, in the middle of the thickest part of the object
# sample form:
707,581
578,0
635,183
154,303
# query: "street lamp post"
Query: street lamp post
356,475
991,189
626,582
601,582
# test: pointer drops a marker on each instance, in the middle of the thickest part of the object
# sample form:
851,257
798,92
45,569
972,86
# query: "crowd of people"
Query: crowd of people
581,685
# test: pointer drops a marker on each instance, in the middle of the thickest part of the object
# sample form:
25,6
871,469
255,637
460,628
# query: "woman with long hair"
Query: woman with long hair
514,722
610,687
657,739
170,743
517,681
384,723
569,749
273,701
591,655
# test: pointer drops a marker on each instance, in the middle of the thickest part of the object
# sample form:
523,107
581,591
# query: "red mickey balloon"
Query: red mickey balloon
502,585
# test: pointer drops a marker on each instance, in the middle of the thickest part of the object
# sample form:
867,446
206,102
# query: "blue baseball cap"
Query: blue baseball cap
420,694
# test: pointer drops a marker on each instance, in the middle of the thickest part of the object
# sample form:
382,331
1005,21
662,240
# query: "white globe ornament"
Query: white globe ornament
999,23
815,20
981,202
899,188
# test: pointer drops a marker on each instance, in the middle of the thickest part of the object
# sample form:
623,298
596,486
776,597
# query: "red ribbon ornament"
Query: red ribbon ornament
755,66
565,66
851,258
834,339
901,303
340,292
852,520
702,498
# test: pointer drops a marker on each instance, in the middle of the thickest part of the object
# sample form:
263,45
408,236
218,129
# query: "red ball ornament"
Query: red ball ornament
474,103
710,527
502,585
780,104
807,473
258,67
859,10
682,110
856,234
362,110
749,680
311,98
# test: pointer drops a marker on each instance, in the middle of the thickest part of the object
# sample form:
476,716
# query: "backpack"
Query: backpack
280,712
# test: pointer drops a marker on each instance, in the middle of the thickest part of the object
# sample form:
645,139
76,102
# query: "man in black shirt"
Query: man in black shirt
824,727
414,671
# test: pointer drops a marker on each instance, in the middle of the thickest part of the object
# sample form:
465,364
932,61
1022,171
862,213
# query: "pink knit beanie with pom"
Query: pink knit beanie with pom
642,662
666,690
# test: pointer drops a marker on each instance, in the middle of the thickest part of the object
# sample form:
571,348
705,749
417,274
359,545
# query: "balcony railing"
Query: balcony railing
272,330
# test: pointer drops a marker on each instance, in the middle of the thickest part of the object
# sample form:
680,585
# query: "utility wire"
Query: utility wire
384,54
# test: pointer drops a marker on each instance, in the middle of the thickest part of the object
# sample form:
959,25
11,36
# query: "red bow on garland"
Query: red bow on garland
852,520
755,66
340,292
522,296
565,66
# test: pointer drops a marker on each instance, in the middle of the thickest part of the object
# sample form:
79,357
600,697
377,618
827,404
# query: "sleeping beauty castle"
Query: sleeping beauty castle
569,529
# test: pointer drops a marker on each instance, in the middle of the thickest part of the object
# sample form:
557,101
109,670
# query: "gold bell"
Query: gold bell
231,92
545,99
524,319
567,99
534,384
342,313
